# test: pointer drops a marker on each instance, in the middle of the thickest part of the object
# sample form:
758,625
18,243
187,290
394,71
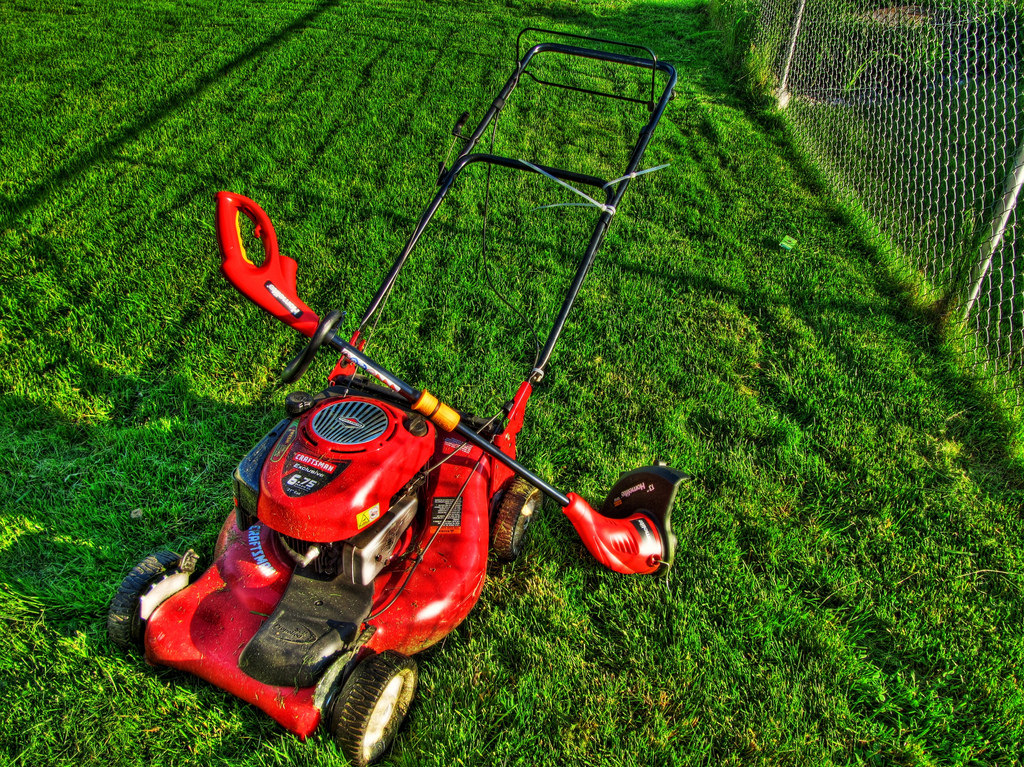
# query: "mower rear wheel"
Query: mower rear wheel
515,511
124,622
372,704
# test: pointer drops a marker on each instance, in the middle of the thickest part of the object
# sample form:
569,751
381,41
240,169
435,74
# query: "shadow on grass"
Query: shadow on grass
103,150
70,533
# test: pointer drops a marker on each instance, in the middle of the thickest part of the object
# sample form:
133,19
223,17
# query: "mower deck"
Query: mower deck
204,628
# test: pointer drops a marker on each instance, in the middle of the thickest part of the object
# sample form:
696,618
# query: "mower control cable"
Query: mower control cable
590,201
430,469
422,552
482,264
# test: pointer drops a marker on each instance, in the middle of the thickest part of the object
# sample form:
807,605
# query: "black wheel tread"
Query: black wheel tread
124,626
510,526
351,710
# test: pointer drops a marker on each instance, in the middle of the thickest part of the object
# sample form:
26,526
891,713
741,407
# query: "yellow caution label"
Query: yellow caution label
368,516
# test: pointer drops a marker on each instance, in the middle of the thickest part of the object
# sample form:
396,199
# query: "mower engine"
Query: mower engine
358,560
332,473
337,485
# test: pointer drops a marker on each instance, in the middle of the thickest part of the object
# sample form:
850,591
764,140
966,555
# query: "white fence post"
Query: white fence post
997,228
798,19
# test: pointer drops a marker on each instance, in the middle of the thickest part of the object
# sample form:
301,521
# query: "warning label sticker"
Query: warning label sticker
446,513
368,516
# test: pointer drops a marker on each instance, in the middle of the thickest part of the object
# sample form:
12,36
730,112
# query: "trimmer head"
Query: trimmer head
632,533
649,491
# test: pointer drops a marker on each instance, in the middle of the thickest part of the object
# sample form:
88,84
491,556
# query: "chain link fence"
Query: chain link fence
913,113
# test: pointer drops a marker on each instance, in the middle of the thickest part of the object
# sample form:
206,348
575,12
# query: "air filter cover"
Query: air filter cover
334,470
350,422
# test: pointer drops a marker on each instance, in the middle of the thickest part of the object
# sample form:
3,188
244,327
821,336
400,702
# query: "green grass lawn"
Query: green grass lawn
848,583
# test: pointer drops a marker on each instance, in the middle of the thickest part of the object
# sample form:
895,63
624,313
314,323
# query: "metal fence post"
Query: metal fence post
997,228
783,95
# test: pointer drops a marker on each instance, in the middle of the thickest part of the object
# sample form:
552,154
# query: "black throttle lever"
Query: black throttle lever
459,124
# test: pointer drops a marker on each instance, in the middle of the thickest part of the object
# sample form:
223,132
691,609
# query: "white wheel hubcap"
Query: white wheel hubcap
382,715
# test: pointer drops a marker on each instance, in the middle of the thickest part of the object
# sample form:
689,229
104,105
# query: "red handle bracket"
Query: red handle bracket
271,285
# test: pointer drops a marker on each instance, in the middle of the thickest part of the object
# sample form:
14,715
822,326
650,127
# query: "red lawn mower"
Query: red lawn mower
363,520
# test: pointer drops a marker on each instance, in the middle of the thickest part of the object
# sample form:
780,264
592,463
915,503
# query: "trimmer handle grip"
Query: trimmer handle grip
271,285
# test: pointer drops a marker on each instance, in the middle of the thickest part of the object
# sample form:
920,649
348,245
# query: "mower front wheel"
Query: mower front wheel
371,706
124,620
515,511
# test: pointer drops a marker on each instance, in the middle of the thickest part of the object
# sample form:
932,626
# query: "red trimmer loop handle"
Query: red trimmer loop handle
271,285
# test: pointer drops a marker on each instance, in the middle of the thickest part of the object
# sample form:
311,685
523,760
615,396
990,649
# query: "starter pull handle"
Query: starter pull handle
270,285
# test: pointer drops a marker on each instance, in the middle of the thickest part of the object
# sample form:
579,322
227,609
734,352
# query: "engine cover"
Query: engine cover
335,469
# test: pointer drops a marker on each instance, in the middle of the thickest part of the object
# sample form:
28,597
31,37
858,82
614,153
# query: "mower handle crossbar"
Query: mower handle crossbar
494,159
573,36
632,46
613,192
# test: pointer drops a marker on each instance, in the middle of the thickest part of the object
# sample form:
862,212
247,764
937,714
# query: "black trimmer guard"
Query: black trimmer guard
650,491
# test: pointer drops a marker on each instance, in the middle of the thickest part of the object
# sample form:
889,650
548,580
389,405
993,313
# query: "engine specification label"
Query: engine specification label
446,513
305,474
452,445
